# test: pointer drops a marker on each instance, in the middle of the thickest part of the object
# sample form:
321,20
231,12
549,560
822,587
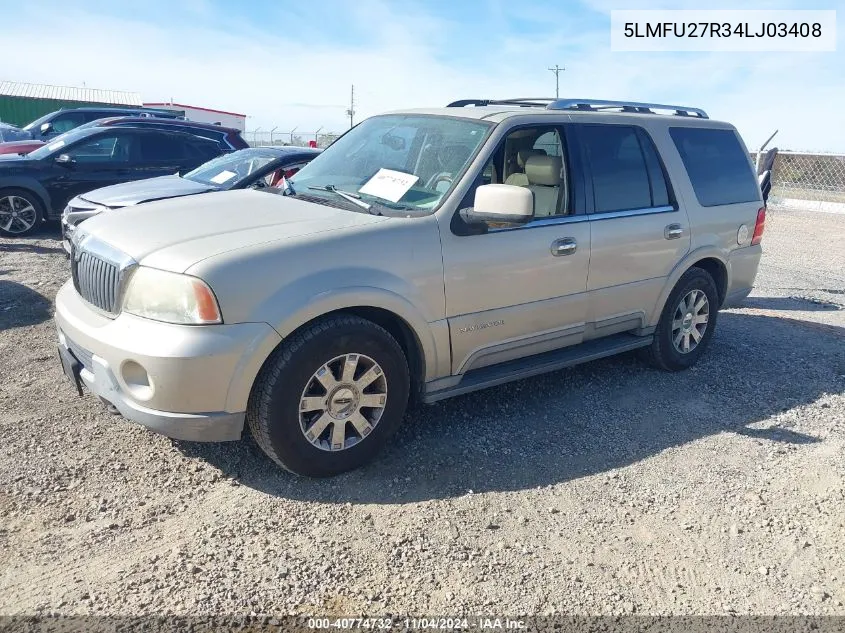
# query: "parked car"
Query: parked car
19,147
51,125
229,139
39,185
425,254
256,168
12,133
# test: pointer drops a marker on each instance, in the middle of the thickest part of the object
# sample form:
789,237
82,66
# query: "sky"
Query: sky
290,64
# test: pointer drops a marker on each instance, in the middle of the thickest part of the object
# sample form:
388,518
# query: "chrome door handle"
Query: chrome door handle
564,246
673,231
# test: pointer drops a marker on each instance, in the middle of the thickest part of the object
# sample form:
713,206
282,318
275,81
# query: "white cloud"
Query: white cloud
288,73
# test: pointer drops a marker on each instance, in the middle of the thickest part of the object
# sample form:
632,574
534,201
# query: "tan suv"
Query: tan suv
425,254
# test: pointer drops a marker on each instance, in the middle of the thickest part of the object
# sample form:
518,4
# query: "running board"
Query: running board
539,364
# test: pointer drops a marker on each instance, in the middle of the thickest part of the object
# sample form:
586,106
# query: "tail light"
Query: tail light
759,227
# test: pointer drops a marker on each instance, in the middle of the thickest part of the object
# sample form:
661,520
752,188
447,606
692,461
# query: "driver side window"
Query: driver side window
66,122
534,158
110,148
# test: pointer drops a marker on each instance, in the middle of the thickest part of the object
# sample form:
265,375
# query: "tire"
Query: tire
28,210
664,353
290,375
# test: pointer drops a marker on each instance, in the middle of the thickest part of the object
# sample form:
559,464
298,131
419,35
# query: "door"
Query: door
96,161
519,290
638,231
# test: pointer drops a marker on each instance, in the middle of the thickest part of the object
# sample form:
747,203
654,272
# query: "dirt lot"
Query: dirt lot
610,488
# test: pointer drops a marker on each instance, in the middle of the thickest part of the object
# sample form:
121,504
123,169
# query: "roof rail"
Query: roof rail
626,106
591,105
525,102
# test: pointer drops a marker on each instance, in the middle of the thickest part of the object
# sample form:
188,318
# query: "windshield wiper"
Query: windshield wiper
354,198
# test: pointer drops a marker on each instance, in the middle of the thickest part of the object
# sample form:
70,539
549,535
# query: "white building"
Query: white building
205,115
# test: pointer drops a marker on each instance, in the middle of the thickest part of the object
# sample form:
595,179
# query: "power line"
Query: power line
557,70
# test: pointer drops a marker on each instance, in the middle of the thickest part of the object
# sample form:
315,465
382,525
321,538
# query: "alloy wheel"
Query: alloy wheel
342,402
690,321
17,215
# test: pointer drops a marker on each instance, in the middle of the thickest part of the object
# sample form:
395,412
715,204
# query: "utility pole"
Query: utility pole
557,70
351,111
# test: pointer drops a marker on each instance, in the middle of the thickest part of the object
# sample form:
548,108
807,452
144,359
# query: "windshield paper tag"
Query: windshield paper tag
389,185
223,176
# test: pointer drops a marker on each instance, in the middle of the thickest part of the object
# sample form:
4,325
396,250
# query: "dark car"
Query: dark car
12,133
229,139
38,186
256,168
51,125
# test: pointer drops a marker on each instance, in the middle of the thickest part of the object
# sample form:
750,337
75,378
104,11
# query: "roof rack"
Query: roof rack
525,102
590,105
625,106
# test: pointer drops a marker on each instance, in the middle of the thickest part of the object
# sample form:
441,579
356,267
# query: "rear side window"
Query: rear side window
202,150
626,172
159,146
717,166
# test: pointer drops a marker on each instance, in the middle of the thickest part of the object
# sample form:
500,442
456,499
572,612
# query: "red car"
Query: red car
19,147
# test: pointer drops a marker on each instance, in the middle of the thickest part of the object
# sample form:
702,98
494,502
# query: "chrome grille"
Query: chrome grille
96,280
98,270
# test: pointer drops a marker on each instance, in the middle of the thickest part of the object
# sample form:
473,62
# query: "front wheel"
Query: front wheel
328,399
20,212
687,322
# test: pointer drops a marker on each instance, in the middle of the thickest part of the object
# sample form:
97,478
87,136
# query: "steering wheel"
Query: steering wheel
444,176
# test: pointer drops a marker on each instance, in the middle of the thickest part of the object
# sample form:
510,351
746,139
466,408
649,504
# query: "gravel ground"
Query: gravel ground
607,489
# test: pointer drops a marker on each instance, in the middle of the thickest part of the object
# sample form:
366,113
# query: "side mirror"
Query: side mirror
45,128
506,204
64,160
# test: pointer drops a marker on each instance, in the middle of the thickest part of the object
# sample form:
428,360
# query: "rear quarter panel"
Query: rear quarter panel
715,231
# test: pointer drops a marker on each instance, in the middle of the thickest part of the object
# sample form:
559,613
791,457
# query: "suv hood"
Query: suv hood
129,193
177,233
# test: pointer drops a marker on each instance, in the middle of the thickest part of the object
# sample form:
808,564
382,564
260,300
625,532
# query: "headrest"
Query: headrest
543,170
523,155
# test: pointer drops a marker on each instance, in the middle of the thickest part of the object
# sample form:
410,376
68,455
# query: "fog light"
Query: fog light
137,380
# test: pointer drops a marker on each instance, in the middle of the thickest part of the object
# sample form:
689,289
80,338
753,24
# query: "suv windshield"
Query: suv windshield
225,171
407,162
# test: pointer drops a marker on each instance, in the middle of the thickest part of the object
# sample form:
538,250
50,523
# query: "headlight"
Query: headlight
171,297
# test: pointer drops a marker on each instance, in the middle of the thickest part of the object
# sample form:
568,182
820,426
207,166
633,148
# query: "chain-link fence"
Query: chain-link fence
817,178
259,137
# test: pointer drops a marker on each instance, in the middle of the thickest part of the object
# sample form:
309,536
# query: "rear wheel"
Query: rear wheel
21,212
329,398
687,322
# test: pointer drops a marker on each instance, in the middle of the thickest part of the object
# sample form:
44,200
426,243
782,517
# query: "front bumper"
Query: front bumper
185,382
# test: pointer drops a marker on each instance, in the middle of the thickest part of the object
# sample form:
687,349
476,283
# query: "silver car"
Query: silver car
425,254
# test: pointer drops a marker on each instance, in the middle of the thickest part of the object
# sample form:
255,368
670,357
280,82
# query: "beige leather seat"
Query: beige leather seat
519,178
543,173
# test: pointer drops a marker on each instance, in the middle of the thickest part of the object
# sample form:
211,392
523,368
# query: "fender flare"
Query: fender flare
704,252
300,313
30,184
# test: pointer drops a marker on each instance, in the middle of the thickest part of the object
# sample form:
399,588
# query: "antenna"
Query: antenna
351,111
557,70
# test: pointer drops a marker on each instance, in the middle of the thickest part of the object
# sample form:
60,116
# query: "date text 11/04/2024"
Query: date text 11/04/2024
482,623
722,29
